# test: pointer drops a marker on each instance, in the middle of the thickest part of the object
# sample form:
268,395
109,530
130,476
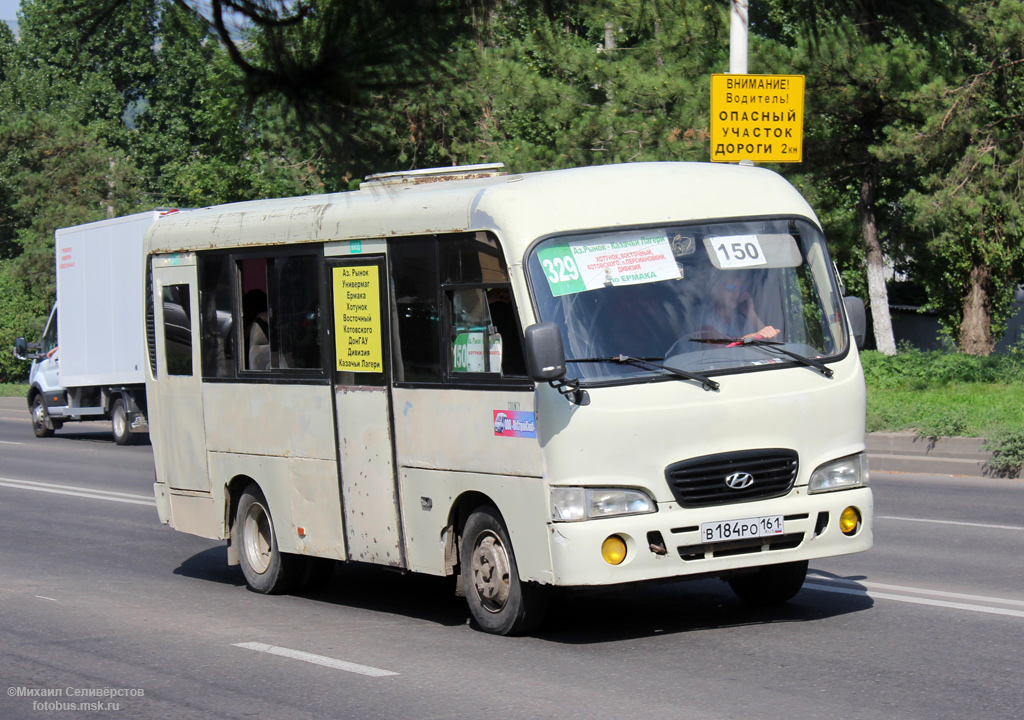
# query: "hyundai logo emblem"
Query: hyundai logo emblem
740,480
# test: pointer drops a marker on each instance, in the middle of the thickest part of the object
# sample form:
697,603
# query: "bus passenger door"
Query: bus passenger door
369,488
176,408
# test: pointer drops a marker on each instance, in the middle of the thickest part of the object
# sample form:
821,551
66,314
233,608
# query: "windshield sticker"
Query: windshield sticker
737,251
515,423
587,265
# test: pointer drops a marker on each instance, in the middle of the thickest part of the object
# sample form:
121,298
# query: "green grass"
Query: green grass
13,389
936,394
964,409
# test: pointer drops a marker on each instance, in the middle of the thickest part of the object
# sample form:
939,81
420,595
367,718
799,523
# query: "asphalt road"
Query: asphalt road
101,604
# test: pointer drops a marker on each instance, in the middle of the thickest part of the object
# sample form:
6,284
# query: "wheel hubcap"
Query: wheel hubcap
39,415
120,422
491,572
257,538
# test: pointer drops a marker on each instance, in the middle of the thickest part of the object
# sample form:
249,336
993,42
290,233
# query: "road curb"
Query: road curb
906,452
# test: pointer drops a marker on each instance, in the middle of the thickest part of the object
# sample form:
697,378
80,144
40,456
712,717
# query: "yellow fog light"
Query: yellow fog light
613,549
849,521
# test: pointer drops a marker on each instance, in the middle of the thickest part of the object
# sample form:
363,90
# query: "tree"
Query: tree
616,81
971,151
868,65
65,174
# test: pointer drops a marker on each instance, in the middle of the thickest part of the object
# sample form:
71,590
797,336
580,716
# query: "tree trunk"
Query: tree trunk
878,295
976,326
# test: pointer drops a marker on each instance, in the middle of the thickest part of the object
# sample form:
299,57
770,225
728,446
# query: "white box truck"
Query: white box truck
90,365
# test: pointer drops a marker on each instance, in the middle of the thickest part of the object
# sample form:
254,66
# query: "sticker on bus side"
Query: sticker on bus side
587,265
357,327
515,423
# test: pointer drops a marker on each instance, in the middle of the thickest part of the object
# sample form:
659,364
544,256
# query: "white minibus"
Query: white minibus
592,377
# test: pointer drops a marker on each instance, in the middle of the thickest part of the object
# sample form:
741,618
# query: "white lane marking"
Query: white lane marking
315,659
1018,528
74,491
8,442
916,600
855,584
43,597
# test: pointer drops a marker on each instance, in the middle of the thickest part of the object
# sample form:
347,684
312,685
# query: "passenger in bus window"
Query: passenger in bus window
257,331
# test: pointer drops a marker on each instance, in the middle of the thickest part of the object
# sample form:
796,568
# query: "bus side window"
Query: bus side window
484,331
280,312
416,340
295,309
177,329
476,343
485,336
216,292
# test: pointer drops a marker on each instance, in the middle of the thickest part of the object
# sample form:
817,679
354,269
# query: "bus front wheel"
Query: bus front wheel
267,570
770,585
499,602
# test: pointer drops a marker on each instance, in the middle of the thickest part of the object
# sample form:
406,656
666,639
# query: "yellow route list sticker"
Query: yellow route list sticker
357,319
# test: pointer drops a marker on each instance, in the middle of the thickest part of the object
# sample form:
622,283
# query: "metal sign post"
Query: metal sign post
740,16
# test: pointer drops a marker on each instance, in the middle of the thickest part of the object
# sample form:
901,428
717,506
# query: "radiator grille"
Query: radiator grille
701,482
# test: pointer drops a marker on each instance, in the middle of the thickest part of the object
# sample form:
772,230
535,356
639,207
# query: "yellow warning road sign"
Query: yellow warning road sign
757,117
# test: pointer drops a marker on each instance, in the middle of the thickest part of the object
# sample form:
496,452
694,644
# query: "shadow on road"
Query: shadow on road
211,565
574,617
679,607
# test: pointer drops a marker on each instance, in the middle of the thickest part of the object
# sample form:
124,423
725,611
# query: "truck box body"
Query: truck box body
101,333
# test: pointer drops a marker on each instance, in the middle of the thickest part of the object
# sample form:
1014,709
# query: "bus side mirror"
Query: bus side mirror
545,361
858,318
20,348
545,357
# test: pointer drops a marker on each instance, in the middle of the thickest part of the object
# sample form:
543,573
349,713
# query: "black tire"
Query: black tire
119,423
499,602
267,570
770,585
42,424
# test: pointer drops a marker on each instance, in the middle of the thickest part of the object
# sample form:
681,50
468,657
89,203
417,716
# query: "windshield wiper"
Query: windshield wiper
774,346
706,382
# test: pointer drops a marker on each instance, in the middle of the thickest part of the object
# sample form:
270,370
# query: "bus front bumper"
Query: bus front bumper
669,543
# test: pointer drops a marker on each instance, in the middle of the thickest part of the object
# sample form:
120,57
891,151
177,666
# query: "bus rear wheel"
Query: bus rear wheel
499,602
770,585
267,570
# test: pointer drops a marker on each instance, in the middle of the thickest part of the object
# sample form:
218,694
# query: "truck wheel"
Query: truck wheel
499,602
267,570
42,425
119,423
770,585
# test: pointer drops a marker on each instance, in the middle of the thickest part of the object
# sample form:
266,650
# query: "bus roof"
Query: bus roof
518,208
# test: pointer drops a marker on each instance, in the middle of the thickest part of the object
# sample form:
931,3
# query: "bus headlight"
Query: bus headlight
570,504
842,474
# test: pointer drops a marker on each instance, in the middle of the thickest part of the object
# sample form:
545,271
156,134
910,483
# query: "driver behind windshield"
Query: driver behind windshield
731,313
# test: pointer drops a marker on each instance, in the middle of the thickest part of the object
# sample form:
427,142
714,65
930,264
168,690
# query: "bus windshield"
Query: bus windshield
707,298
